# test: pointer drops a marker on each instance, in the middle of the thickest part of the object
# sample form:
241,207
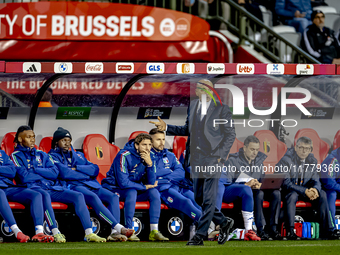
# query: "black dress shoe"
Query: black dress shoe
292,236
264,236
334,235
195,240
225,228
277,236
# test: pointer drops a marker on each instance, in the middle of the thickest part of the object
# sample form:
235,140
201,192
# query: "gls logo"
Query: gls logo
155,68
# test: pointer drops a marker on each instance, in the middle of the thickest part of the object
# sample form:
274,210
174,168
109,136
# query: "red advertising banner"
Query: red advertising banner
98,22
112,86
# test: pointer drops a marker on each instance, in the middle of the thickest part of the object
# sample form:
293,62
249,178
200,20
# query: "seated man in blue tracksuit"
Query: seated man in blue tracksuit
131,169
170,174
250,161
80,175
36,171
17,194
302,183
330,179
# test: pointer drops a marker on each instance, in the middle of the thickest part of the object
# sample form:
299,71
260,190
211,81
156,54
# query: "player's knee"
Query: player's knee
154,195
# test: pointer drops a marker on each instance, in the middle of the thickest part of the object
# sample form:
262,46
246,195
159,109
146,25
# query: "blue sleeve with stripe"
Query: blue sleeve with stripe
49,170
7,169
121,166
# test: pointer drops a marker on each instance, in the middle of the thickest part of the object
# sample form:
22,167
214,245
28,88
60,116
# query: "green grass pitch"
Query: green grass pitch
174,248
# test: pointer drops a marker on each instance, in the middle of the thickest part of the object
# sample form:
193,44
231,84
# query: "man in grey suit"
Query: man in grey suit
207,147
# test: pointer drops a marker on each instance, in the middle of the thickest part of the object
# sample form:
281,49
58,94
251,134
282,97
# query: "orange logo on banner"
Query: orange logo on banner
185,68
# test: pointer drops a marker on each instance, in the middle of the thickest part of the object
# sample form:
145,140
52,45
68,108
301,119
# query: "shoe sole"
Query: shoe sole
45,240
158,240
133,240
60,241
116,239
24,240
227,232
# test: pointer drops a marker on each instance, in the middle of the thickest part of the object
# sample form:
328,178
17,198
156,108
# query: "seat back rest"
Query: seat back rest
134,134
99,151
336,141
179,145
7,143
320,147
45,144
272,147
237,145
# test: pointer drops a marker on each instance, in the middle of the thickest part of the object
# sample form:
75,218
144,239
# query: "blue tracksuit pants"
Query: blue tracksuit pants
182,200
331,198
67,197
23,196
94,198
131,196
233,192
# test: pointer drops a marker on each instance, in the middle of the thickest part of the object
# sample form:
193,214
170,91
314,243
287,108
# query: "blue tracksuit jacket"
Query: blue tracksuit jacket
330,171
169,169
7,170
35,169
85,173
128,170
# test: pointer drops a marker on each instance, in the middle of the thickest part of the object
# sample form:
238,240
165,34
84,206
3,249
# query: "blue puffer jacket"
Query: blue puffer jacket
168,169
310,176
7,170
85,172
129,170
35,168
330,171
239,161
286,8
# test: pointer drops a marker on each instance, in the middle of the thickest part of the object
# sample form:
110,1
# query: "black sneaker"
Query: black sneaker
264,236
225,228
292,236
277,236
334,234
196,240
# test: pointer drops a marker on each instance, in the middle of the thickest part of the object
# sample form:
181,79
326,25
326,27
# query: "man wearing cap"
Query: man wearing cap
210,145
320,41
80,175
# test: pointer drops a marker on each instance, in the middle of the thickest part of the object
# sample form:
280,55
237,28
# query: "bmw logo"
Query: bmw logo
175,226
5,229
136,225
63,67
298,218
95,225
47,230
